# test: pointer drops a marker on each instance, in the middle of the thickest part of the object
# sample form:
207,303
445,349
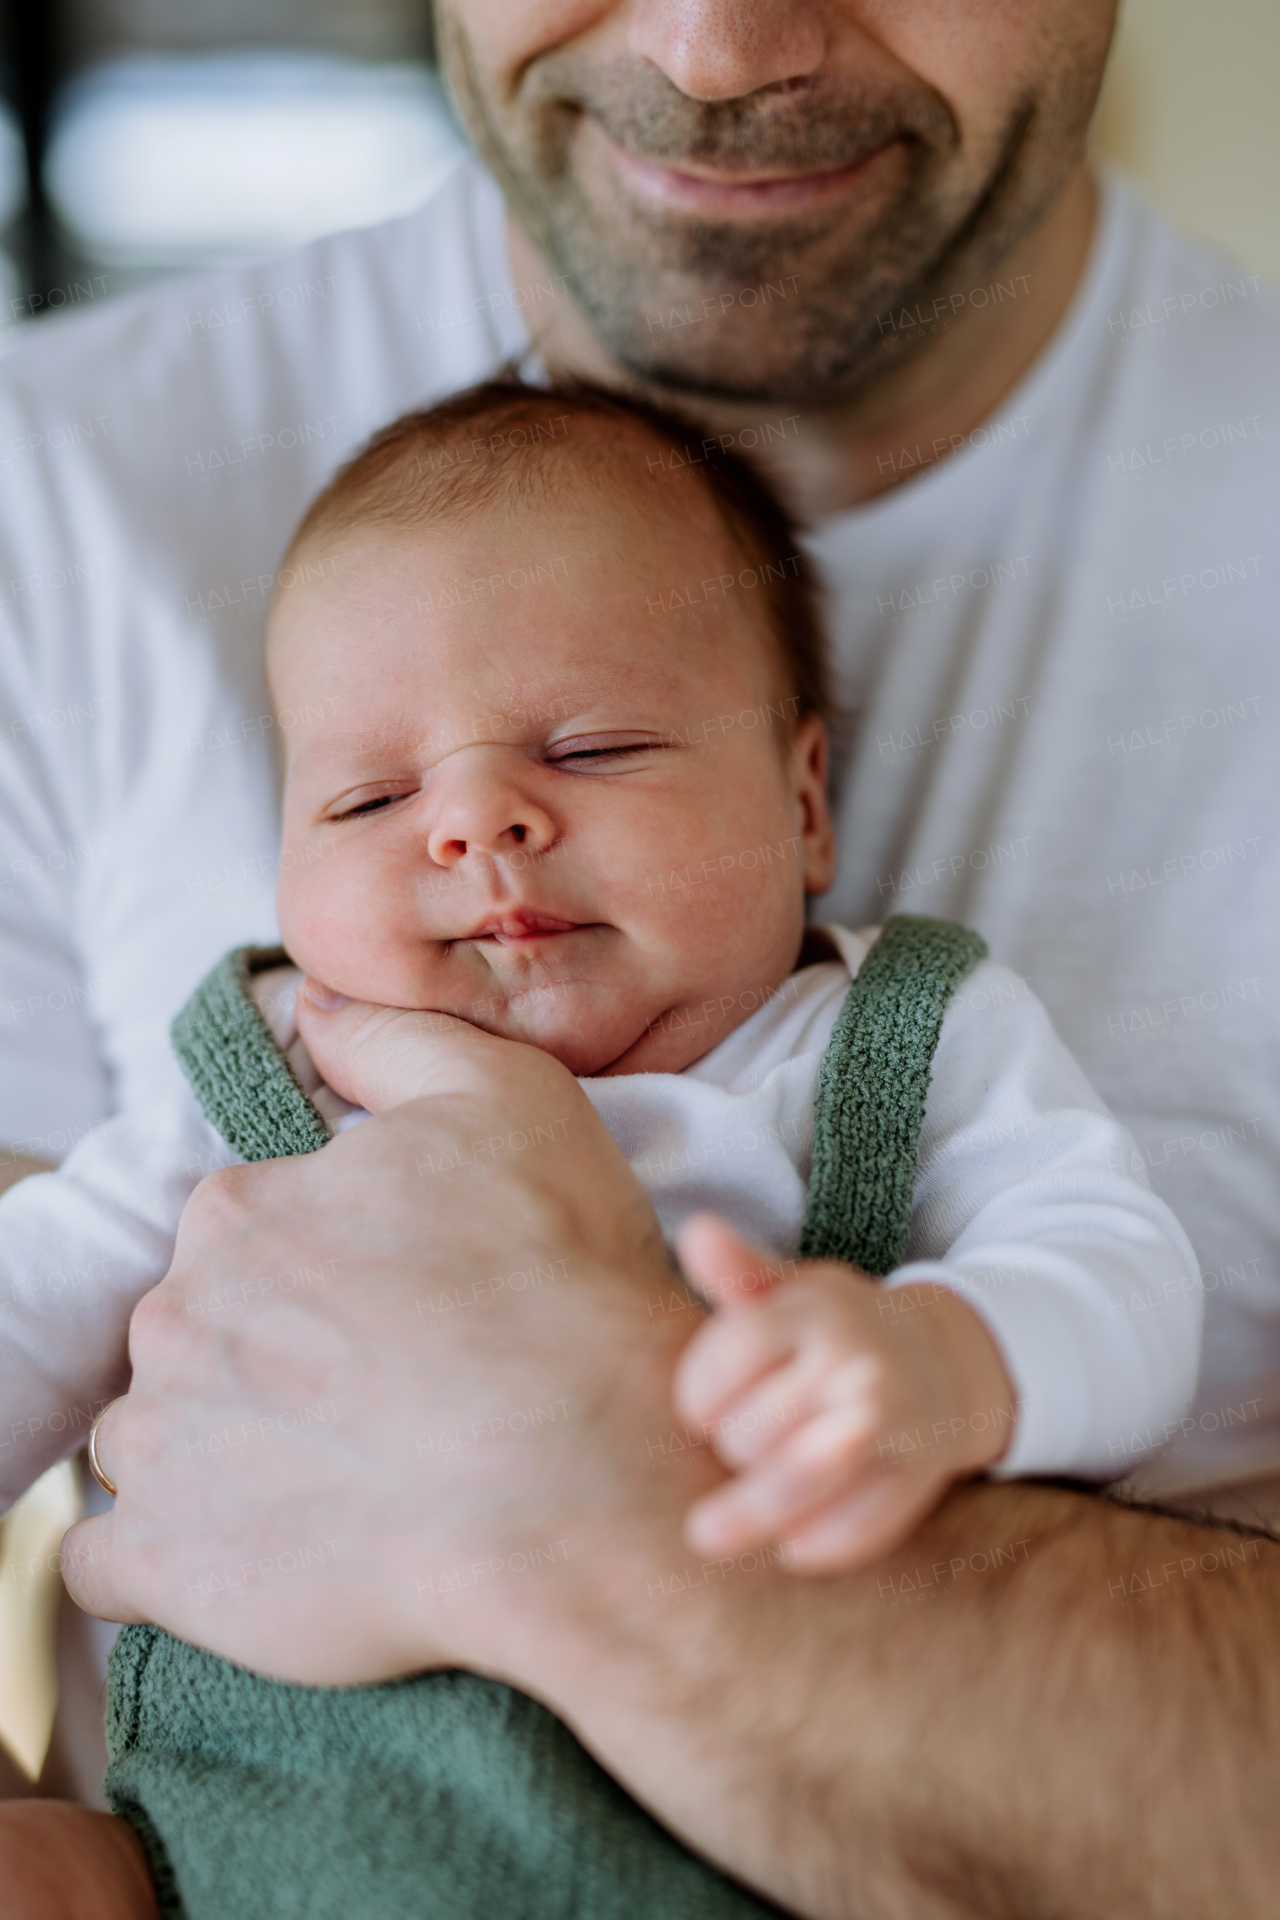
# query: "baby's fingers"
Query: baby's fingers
748,1427
725,1268
863,1525
772,1499
728,1355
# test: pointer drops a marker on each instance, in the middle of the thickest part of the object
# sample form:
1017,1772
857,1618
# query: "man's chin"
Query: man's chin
745,379
786,327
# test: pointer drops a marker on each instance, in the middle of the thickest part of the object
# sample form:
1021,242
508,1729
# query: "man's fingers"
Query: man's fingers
102,1449
92,1571
377,1057
383,1057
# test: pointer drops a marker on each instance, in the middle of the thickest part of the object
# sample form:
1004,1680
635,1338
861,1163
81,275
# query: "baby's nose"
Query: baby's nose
485,809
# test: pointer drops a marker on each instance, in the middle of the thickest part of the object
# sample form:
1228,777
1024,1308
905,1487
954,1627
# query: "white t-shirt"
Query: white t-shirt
1056,642
1024,1203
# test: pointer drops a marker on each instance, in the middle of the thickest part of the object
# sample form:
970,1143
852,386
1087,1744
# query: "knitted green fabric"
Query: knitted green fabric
872,1087
243,1082
447,1796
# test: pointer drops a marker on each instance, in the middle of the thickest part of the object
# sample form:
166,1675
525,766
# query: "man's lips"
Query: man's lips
520,924
701,189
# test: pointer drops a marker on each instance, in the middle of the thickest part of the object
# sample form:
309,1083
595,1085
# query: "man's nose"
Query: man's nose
723,49
483,806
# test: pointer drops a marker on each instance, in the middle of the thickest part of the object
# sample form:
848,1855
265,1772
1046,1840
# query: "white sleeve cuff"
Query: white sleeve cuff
1087,1404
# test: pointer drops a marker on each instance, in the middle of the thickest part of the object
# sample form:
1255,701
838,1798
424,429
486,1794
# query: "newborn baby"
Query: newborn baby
549,679
546,795
551,689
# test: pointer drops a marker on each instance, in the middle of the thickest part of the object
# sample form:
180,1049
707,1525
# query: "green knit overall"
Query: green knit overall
447,1796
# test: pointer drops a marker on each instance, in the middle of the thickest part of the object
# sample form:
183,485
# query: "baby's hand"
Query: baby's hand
846,1410
379,1057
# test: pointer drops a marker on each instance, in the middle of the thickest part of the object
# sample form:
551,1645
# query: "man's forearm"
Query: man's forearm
1045,1704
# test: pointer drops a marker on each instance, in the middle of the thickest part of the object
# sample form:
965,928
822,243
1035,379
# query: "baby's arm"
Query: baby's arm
78,1249
1033,1221
1032,1203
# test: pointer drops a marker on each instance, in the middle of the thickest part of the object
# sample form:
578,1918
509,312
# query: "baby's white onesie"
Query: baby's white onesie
1030,1200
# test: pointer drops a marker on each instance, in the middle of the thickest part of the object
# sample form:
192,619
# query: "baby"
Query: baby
549,677
551,686
568,782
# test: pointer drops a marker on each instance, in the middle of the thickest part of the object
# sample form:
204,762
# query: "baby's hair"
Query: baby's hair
504,439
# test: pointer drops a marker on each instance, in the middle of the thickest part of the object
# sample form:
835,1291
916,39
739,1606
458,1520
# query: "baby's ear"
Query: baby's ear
808,765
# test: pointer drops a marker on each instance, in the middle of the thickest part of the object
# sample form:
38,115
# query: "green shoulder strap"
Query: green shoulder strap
245,1086
871,1091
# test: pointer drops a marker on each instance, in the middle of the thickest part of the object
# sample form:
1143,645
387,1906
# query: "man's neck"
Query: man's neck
834,457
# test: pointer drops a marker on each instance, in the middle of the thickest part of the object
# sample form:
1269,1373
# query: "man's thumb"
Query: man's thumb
377,1057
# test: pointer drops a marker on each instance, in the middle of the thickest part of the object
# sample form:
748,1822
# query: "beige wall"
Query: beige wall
1191,109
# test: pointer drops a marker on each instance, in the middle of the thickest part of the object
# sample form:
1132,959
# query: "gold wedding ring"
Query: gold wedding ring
95,1465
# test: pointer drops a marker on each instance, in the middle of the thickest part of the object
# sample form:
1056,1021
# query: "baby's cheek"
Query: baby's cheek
320,902
349,920
300,911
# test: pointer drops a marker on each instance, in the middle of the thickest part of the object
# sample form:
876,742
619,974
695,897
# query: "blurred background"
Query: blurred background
149,137
141,138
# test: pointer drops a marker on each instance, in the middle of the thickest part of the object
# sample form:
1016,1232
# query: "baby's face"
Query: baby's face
517,793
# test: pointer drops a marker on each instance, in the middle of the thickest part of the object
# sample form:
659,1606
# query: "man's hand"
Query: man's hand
847,1409
384,1374
380,1057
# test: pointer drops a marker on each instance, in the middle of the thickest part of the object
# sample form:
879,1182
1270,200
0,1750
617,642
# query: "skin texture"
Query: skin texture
801,1383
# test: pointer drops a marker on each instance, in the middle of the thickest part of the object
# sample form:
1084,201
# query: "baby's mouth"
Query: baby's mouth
520,925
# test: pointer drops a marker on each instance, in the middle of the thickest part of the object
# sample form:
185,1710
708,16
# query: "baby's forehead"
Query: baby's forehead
613,509
607,474
601,521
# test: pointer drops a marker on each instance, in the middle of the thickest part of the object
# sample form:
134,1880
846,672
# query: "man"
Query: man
1031,430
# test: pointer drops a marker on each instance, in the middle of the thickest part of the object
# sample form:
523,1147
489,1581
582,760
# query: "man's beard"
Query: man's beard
816,296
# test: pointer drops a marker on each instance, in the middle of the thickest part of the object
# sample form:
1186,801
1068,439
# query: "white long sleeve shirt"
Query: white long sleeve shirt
1026,1202
1058,643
